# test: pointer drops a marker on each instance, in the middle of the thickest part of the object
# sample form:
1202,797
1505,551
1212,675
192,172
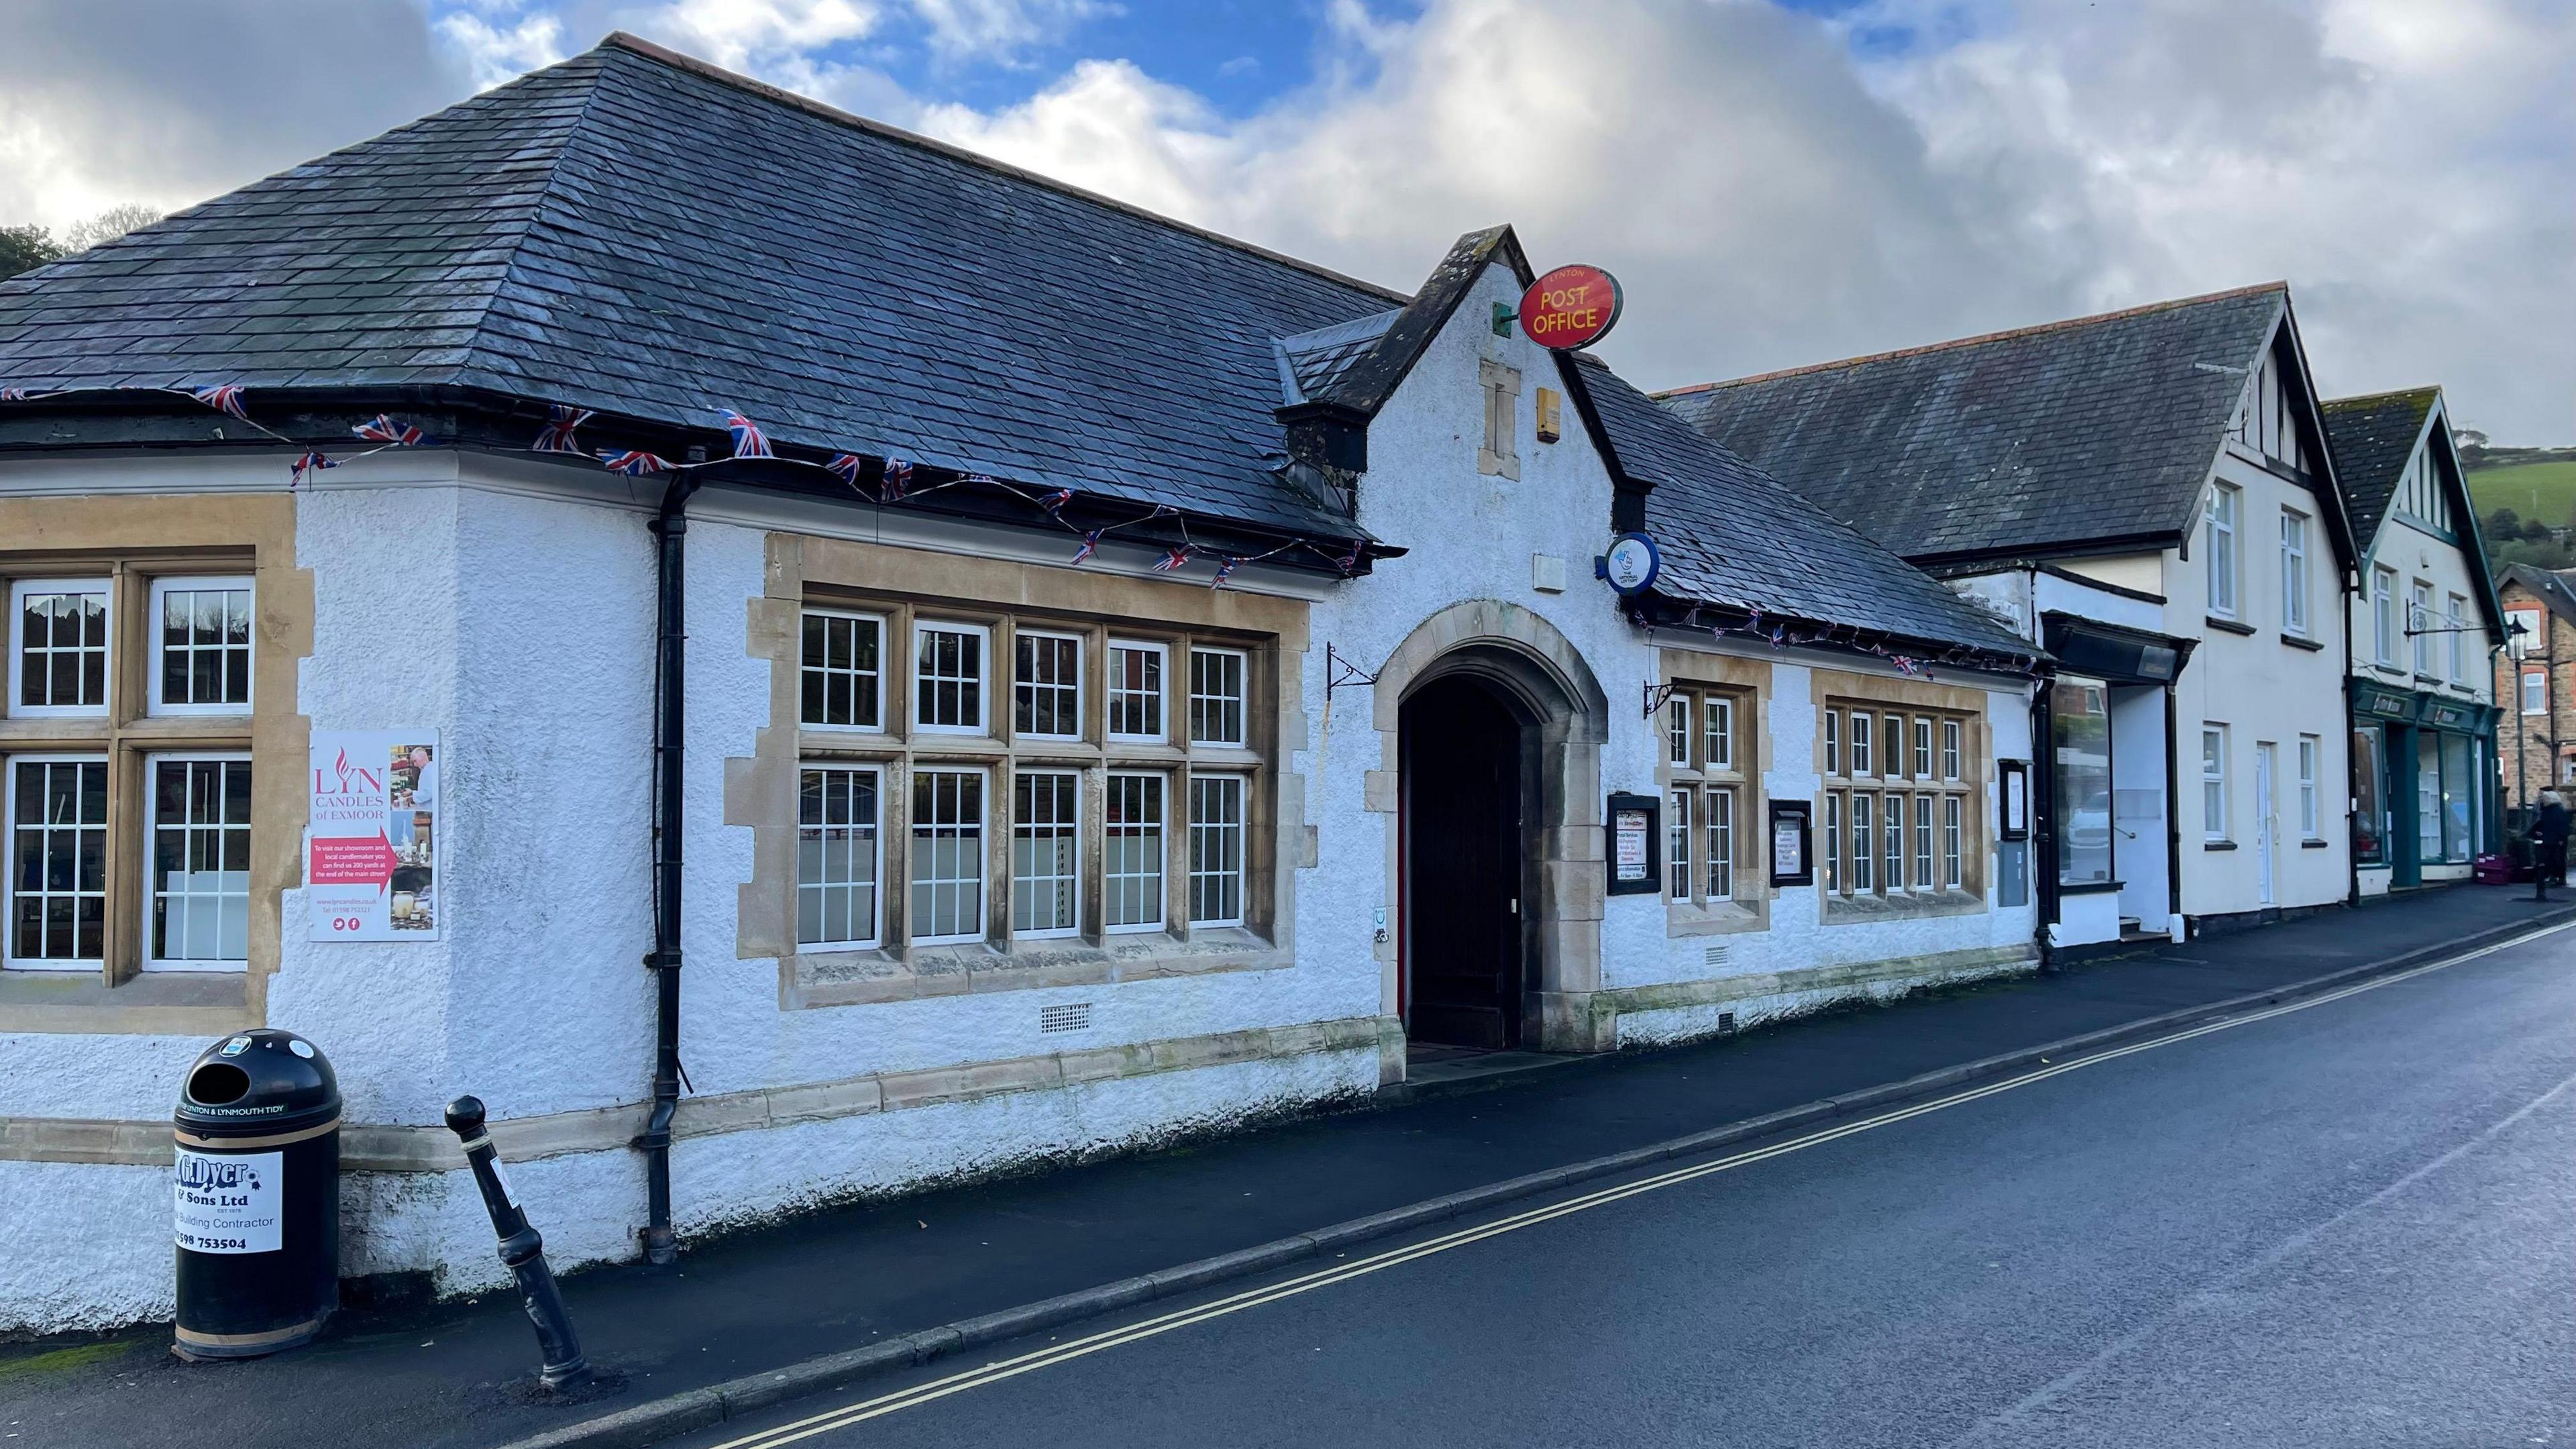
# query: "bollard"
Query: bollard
521,1249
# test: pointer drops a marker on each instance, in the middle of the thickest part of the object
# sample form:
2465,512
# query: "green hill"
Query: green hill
2545,491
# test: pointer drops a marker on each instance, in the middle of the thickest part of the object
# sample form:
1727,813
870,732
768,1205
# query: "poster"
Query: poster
1789,866
374,817
1631,831
228,1204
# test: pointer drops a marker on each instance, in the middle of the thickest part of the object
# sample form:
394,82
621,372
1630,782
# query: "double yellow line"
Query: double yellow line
1053,1354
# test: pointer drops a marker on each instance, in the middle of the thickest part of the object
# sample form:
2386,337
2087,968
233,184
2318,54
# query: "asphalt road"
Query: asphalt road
2352,1223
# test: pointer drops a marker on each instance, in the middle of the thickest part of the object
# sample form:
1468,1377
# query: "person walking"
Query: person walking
2550,830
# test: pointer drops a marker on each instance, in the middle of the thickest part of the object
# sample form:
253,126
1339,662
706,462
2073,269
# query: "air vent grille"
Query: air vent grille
1717,957
1070,1016
1726,1021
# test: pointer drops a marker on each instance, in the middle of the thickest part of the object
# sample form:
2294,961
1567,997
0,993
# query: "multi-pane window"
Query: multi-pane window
1135,691
2309,813
2294,572
947,855
1046,853
836,857
2213,782
1680,879
1833,742
57,861
1216,696
1951,808
2419,622
2383,616
59,647
948,677
1706,763
1132,839
2223,502
1046,685
2535,691
1884,815
1216,850
839,676
203,637
199,894
2455,625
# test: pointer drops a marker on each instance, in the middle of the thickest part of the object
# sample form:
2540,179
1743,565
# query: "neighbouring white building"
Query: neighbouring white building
993,677
2425,627
2150,494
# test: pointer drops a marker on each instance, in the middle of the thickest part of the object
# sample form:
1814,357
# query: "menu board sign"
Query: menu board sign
373,822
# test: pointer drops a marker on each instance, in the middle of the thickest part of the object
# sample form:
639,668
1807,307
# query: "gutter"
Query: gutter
670,528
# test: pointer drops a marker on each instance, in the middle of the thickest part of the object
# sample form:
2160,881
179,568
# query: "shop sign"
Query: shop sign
1632,564
373,822
1570,307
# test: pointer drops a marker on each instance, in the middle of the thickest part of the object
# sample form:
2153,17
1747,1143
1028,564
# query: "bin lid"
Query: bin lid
256,1082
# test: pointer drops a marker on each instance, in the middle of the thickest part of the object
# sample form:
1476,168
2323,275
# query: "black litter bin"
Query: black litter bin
257,1196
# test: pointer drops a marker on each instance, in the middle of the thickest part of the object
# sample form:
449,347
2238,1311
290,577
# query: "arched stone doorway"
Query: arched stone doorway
1491,726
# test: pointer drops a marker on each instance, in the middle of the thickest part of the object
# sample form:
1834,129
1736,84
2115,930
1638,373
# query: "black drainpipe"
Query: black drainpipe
2041,839
670,528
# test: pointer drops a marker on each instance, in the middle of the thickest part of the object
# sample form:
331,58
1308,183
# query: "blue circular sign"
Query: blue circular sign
1633,563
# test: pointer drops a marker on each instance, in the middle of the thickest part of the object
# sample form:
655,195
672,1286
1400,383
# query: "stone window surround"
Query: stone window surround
897,583
132,541
1841,689
1749,682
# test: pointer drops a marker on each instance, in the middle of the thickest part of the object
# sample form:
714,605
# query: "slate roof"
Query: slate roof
2039,440
638,233
2373,439
1313,365
1733,535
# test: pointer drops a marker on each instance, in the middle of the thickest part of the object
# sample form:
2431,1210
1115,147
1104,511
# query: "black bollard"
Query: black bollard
522,1249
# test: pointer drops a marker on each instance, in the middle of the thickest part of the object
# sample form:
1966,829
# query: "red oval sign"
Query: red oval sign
1570,307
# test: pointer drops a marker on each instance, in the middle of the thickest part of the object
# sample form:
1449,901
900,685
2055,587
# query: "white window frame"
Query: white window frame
2214,772
151,960
1241,699
2419,623
2311,748
158,646
1678,876
1161,694
1717,832
983,680
1953,748
2294,571
18,591
1677,730
9,868
2455,619
874,679
1923,747
1863,744
2535,682
1891,746
2519,644
1073,826
1018,684
1953,832
1894,820
1863,829
2383,616
1160,856
1241,829
1833,742
1717,728
876,832
1833,842
1924,808
2226,506
912,872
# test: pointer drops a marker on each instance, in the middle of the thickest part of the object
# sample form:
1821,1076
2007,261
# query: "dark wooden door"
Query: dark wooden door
1462,840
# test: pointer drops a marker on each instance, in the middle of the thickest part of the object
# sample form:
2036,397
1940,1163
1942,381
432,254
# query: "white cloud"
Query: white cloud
999,30
499,52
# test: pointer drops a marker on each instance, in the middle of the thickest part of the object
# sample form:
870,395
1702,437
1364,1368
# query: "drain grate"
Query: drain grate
1071,1016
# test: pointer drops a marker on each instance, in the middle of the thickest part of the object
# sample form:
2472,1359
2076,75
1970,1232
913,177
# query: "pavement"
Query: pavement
2345,1224
457,1374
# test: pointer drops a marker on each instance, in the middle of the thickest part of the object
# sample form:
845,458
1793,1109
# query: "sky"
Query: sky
1775,182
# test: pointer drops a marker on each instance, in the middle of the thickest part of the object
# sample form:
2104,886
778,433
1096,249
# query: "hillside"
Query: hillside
2543,490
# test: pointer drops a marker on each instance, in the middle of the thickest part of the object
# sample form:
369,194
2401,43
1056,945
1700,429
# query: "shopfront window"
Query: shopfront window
2081,709
2369,814
2459,798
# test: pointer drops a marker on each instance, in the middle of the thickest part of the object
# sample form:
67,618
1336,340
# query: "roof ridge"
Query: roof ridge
2062,324
2428,390
638,45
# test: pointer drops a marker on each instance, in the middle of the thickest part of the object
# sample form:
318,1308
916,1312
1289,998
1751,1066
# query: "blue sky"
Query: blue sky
1775,182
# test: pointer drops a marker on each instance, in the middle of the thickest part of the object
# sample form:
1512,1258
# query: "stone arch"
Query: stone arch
1542,677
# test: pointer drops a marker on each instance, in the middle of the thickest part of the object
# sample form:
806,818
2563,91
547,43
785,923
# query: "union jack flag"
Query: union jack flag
846,466
748,440
1090,541
383,429
898,479
1905,664
1054,502
1779,637
632,463
21,394
1224,571
1349,562
556,437
1172,558
224,398
311,462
